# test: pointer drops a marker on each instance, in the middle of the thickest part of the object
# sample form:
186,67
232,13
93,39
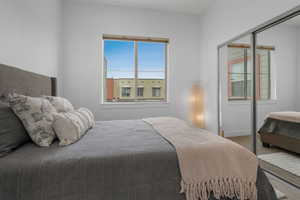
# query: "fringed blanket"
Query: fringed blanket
209,163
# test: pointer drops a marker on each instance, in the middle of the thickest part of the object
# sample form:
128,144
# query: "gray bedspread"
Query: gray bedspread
116,160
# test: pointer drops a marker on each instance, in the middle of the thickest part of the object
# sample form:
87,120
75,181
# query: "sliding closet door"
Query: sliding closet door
235,91
277,94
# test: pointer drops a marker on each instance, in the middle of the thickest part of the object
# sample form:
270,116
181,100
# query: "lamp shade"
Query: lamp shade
196,106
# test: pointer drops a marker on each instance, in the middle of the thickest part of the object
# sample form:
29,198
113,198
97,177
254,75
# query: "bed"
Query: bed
116,160
281,129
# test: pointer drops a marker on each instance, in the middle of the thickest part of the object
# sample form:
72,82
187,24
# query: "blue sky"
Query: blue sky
120,57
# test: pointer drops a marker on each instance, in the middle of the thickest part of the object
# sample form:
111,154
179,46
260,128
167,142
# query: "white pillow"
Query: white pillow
89,114
71,126
60,104
36,115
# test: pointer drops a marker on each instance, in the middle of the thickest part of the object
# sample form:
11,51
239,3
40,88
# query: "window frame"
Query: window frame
245,59
229,76
137,99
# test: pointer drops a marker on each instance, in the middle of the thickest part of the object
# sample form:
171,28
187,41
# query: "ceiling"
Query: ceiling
195,7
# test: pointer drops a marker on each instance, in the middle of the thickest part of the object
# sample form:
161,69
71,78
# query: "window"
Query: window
133,67
240,69
140,91
156,92
126,91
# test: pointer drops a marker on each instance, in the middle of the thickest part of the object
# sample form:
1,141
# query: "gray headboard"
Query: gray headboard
13,79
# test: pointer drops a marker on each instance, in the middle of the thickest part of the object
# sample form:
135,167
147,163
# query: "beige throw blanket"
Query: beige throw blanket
209,163
289,116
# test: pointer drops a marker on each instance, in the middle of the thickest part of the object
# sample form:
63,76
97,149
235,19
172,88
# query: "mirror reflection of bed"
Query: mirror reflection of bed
277,93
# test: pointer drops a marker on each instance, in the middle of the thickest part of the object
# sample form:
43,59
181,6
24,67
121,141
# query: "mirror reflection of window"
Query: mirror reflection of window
237,68
239,73
264,74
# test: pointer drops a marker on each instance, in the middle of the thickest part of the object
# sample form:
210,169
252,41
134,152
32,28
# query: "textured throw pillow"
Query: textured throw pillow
36,115
60,104
12,131
71,126
89,115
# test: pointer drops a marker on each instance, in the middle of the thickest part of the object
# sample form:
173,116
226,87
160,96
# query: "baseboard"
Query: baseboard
235,133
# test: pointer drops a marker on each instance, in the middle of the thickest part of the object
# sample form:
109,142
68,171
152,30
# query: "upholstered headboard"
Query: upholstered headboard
13,79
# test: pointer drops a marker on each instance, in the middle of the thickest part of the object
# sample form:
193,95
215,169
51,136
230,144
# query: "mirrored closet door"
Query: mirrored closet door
259,96
235,90
278,99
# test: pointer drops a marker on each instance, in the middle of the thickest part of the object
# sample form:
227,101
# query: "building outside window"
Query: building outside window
132,67
240,73
140,92
126,91
156,92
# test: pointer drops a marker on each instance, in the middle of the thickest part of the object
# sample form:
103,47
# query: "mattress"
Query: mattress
116,160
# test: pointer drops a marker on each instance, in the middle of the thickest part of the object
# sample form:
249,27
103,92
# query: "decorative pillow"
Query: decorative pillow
12,131
36,115
71,126
89,115
60,104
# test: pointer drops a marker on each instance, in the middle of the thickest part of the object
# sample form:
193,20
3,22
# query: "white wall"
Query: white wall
29,35
30,39
284,78
83,26
221,22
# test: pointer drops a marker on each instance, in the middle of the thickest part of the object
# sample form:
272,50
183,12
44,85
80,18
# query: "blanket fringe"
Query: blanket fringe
223,187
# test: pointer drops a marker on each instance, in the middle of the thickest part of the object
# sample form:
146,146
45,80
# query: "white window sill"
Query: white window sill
263,102
117,105
248,102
